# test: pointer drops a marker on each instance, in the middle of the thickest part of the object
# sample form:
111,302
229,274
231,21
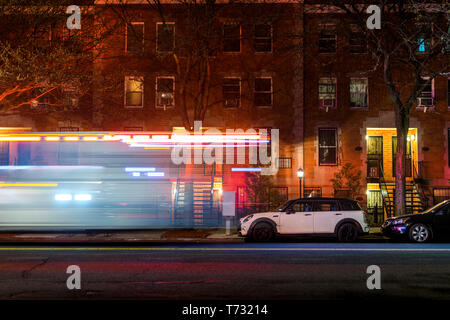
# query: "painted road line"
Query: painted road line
219,249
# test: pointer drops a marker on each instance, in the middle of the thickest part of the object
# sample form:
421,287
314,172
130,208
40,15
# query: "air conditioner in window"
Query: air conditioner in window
328,103
231,103
425,102
165,101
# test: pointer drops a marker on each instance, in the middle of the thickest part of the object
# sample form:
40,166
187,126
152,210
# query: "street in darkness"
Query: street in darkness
241,271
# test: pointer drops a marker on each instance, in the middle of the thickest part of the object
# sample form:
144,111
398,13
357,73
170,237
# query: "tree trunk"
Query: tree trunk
402,124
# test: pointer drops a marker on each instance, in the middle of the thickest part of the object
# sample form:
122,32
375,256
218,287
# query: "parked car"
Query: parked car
341,218
421,227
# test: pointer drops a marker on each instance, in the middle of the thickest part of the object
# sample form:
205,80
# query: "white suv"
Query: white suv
342,218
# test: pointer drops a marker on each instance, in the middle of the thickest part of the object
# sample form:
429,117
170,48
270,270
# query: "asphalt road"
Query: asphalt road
227,271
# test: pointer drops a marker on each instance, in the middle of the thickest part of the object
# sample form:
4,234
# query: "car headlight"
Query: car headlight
247,218
399,221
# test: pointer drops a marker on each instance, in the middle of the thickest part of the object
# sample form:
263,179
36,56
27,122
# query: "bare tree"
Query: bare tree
42,62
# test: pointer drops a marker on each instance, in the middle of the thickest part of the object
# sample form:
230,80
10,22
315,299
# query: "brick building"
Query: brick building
350,119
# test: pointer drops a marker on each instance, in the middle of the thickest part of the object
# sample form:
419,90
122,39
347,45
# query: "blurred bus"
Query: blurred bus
53,181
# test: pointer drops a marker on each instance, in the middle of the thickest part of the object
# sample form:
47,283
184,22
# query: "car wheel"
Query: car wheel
347,232
419,233
262,232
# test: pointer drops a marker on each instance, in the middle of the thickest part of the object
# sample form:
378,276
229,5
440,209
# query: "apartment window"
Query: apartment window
327,38
448,39
231,38
327,147
263,92
135,37
166,36
231,90
284,163
263,38
165,92
357,40
424,39
327,93
134,92
358,92
426,97
70,97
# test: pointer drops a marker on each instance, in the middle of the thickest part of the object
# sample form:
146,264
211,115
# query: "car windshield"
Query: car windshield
430,210
285,205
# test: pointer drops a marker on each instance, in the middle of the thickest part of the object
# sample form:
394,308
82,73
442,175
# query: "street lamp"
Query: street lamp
300,174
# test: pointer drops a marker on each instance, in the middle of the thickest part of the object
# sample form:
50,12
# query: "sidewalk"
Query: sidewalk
212,235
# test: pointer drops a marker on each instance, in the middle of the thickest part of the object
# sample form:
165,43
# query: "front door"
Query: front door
375,205
298,218
374,157
408,161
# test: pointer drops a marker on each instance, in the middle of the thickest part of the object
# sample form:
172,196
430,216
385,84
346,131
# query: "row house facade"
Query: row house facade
263,66
350,120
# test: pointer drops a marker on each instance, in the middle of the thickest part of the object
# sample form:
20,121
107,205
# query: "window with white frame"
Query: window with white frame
357,40
327,38
231,91
165,92
165,36
426,97
263,38
135,37
327,92
231,38
328,147
263,92
358,93
134,92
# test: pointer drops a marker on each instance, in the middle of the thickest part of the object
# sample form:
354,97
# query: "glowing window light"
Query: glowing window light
52,138
90,138
160,138
63,197
71,138
143,169
136,174
155,174
18,138
83,197
240,169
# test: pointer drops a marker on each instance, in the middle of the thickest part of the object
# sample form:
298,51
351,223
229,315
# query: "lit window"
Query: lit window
134,91
358,92
165,96
327,38
357,40
135,37
166,37
426,97
263,38
263,92
424,39
327,92
231,90
327,146
231,38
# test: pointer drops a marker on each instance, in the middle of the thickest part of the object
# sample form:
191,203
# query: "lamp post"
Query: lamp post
300,174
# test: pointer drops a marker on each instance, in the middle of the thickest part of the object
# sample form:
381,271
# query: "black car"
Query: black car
432,223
